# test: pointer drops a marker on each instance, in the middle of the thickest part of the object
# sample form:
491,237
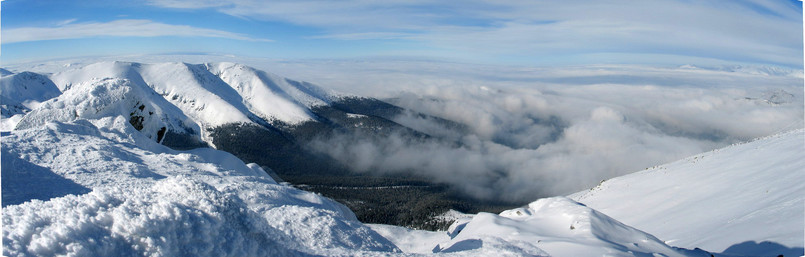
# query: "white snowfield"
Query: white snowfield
744,199
79,180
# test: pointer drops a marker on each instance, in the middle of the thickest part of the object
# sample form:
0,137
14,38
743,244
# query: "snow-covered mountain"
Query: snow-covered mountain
257,116
209,94
87,172
19,93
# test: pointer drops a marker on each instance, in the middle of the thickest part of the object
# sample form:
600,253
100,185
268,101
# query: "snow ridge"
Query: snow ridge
211,94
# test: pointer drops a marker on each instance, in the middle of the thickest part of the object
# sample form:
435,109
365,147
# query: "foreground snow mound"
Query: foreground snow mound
110,191
559,227
745,199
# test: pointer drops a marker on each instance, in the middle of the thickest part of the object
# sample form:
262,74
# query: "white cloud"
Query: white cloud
118,28
551,131
65,22
756,31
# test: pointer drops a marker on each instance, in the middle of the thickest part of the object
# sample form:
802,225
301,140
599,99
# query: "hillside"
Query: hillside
280,124
745,199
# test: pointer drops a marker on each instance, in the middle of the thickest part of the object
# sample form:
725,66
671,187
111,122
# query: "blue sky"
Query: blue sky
534,33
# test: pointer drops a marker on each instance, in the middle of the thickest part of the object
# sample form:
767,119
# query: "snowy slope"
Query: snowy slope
749,197
212,94
200,96
94,99
271,96
21,92
98,188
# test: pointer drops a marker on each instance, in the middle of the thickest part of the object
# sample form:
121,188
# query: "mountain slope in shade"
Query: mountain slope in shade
743,199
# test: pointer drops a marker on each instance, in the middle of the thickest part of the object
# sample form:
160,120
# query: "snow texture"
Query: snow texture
559,227
114,192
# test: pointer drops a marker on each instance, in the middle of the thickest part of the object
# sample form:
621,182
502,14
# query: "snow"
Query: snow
111,97
212,94
356,116
411,240
206,95
115,192
264,94
559,227
79,180
747,193
21,92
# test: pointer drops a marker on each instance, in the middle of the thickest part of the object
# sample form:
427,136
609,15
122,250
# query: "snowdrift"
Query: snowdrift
558,227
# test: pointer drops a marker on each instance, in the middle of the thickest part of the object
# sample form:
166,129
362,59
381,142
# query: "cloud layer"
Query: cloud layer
117,28
748,31
542,132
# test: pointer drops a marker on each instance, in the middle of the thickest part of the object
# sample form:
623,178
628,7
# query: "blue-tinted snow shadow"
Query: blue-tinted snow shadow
23,181
765,248
463,245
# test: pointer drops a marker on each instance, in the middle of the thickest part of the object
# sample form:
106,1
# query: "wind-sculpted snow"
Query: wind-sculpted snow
559,227
149,200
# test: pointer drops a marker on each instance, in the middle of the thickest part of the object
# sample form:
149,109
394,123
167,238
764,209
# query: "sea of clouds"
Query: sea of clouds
531,132
534,132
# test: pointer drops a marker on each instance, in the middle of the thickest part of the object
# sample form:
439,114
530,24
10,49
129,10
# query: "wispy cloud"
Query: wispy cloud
755,31
118,28
65,22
